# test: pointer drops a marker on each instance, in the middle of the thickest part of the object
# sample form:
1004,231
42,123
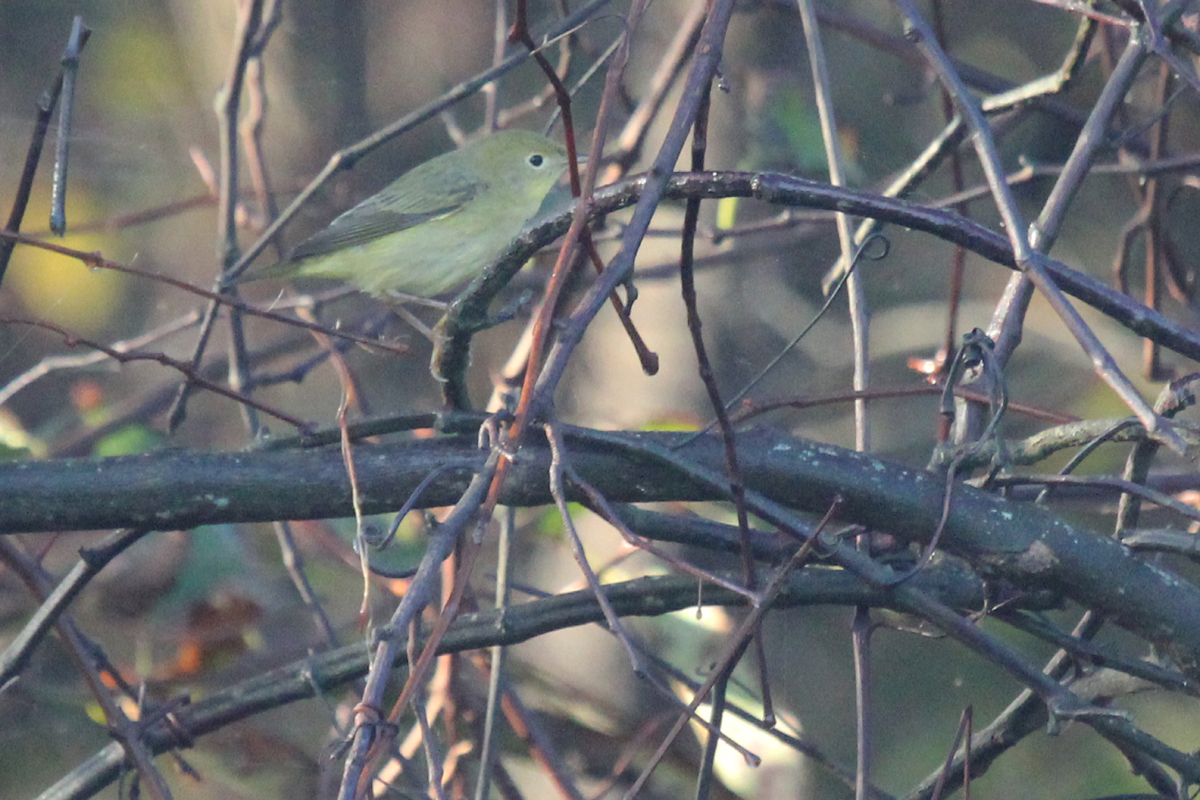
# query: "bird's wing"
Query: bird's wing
391,211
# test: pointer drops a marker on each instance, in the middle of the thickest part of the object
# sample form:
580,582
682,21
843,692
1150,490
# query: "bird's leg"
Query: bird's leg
412,319
415,321
440,305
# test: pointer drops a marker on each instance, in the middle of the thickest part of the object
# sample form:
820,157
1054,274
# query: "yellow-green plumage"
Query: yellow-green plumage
437,225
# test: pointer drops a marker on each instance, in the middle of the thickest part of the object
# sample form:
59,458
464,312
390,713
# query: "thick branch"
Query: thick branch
469,312
1023,544
642,597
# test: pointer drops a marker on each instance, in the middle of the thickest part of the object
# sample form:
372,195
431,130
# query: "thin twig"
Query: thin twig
466,313
733,647
92,559
560,500
127,733
72,339
1030,261
345,159
687,283
859,315
33,155
66,112
51,364
621,267
420,592
98,261
496,670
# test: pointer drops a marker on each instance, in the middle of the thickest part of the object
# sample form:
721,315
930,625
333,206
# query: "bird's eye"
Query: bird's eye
536,160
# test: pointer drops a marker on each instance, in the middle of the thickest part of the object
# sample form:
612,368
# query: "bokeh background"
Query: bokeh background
335,72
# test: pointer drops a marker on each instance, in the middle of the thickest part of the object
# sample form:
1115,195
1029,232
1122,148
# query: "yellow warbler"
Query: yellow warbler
437,225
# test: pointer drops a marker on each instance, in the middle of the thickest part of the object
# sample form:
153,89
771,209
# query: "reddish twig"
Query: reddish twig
72,339
94,259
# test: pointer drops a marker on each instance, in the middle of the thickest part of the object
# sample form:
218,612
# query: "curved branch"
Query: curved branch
1023,544
322,673
468,314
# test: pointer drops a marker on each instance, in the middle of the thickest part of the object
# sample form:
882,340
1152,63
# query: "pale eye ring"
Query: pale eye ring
536,160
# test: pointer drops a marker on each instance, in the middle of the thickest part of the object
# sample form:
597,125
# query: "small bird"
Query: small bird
437,225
